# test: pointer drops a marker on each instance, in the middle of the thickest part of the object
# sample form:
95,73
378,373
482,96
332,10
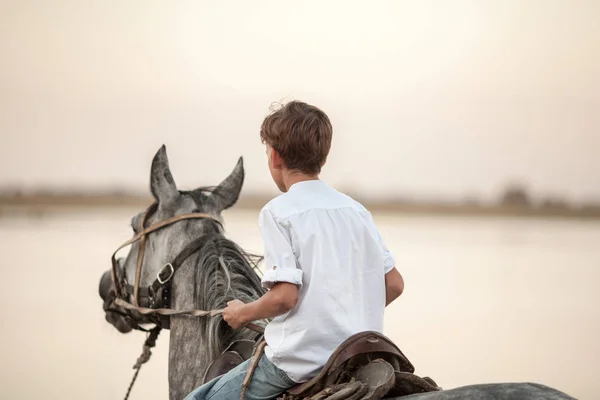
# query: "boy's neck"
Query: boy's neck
292,177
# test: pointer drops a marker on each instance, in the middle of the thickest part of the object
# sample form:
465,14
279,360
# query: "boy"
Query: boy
328,271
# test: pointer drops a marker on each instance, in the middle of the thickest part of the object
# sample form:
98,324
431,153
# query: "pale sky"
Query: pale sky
427,98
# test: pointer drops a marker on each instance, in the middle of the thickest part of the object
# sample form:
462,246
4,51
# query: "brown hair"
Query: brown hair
301,134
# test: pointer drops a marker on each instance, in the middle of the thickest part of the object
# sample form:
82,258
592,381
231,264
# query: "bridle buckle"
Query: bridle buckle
168,278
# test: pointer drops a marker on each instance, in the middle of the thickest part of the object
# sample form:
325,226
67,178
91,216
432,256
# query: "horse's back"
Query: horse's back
495,391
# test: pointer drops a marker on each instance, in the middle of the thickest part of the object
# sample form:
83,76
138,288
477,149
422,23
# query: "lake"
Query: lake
486,300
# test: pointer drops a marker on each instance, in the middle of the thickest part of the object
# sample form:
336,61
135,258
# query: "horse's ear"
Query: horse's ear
162,185
228,191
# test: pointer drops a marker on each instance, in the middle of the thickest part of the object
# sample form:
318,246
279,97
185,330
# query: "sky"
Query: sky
428,99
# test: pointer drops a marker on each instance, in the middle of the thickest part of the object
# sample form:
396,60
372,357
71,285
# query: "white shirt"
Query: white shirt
326,243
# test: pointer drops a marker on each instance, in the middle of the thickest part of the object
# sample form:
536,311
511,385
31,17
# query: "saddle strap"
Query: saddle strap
258,353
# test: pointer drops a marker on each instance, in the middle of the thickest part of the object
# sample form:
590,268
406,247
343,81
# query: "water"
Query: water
487,300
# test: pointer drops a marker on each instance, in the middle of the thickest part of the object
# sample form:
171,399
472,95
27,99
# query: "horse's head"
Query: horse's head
162,245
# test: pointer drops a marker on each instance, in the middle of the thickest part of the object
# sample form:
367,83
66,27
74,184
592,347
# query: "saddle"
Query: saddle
235,354
366,358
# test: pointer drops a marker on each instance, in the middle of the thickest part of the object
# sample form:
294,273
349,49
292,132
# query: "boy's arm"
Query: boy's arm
394,286
280,299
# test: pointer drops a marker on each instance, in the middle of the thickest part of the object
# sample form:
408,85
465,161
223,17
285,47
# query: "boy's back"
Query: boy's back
328,271
328,244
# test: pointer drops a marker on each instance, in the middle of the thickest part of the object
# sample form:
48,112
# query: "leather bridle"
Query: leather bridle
158,293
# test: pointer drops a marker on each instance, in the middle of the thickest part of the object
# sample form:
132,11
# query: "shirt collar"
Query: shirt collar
311,182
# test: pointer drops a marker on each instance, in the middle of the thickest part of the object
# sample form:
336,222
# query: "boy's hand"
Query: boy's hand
233,314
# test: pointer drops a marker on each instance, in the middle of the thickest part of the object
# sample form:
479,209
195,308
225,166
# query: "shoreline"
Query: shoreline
39,203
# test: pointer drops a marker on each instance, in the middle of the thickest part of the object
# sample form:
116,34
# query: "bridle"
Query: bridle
158,294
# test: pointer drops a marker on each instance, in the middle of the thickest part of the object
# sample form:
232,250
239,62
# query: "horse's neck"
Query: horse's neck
192,347
188,358
188,355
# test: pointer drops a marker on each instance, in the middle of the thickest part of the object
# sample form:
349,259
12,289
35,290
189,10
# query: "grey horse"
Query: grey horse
205,282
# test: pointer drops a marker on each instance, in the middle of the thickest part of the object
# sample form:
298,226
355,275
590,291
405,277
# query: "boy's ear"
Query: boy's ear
276,159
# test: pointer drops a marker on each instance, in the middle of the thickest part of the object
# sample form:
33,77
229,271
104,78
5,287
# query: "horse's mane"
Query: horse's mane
223,272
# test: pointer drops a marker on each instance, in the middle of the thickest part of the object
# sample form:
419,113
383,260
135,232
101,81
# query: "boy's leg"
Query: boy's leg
267,382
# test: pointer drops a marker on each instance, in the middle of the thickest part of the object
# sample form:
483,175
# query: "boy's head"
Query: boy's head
298,138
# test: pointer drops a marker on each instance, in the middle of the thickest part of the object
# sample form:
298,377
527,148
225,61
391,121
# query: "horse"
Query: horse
181,270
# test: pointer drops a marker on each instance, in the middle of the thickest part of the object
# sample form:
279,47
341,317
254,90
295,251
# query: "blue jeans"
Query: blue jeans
267,383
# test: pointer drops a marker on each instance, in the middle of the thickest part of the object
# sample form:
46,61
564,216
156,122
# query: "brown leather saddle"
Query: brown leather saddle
347,362
235,354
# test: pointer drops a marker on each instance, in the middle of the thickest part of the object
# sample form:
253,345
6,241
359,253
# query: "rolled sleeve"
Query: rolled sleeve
389,260
273,276
280,260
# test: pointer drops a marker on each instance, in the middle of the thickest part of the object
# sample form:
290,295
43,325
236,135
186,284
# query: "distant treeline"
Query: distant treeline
515,200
